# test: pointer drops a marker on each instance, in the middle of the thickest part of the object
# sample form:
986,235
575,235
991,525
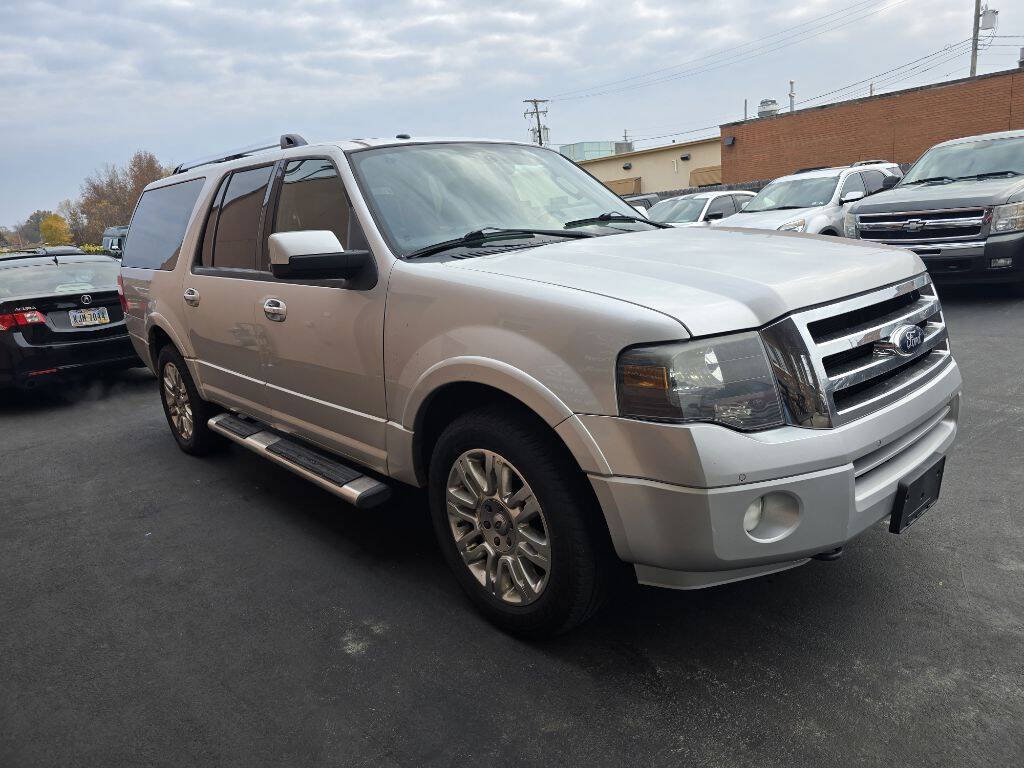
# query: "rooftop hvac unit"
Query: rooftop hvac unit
767,108
622,147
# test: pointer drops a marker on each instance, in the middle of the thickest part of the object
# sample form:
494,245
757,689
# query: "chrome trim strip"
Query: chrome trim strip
975,209
961,223
881,365
922,309
900,389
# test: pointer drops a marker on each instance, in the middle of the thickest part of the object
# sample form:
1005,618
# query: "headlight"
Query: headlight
850,225
726,380
1008,218
799,225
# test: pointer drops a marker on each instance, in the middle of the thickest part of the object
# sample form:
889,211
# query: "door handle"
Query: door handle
191,297
275,310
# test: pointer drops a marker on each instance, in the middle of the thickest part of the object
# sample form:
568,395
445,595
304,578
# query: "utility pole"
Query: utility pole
792,97
535,113
625,135
974,37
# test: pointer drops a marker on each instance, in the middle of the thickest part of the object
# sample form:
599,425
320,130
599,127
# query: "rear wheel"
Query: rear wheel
186,412
515,521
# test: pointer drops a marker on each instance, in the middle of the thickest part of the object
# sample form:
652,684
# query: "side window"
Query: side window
158,226
238,224
722,205
872,181
853,183
312,196
210,229
741,200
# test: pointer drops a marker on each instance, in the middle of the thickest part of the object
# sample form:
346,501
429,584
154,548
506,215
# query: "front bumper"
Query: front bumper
970,263
677,494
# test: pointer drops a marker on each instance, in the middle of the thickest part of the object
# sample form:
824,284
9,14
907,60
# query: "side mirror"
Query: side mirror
714,216
852,197
890,181
313,254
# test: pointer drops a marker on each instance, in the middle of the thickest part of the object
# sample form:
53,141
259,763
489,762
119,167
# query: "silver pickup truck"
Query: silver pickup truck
570,382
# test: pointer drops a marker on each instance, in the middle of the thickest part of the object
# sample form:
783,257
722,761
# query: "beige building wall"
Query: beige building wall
661,168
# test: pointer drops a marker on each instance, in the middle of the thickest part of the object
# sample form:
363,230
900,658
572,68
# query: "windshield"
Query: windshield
794,193
51,279
970,159
679,211
423,194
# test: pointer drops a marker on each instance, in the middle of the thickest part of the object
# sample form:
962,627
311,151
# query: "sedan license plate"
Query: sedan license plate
916,493
80,318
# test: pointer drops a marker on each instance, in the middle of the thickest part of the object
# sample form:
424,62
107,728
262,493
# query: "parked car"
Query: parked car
113,240
60,316
960,208
642,203
571,383
814,200
699,208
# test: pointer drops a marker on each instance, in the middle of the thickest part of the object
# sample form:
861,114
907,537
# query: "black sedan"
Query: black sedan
60,315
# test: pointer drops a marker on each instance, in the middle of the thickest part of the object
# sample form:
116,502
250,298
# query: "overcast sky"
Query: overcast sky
86,83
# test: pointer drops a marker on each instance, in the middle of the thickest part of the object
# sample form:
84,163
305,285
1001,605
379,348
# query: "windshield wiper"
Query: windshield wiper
478,236
613,216
929,180
990,175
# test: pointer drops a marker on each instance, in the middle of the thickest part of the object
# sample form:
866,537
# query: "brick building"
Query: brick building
895,126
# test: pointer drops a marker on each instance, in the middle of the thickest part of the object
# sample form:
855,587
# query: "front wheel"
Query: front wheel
517,524
186,412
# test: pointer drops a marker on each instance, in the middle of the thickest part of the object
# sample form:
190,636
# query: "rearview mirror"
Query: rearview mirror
852,196
890,181
313,254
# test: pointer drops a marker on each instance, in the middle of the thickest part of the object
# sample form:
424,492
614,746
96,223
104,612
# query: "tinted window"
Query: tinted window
51,279
313,197
210,229
872,181
158,226
853,183
239,220
722,205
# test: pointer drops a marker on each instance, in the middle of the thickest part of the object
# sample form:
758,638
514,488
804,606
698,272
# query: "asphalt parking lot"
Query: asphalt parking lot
157,609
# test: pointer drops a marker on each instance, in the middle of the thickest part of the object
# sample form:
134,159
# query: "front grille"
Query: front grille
833,364
924,227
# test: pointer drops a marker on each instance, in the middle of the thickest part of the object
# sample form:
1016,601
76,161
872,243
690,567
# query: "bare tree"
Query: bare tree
109,196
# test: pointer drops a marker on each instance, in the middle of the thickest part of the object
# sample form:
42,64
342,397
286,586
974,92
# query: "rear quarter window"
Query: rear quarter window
158,226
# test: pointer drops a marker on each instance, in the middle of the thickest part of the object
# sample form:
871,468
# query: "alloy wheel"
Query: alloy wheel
176,398
499,528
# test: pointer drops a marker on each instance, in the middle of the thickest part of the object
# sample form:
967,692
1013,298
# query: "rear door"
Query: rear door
323,359
220,291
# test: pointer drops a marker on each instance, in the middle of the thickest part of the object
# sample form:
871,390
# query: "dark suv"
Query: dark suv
960,208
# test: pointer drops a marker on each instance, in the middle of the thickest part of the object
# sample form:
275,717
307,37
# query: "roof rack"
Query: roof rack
814,168
870,162
287,141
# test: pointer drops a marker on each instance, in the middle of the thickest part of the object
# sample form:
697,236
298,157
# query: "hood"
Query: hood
688,223
766,219
710,279
956,194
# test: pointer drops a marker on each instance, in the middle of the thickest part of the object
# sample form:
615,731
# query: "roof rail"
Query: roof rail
813,168
287,141
871,162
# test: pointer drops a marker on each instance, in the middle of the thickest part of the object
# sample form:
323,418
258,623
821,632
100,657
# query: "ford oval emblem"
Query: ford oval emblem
906,340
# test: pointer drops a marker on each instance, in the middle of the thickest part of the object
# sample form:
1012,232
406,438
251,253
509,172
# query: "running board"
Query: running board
343,481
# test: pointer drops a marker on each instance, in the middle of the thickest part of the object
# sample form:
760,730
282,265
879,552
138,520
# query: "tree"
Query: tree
29,231
76,221
54,230
109,195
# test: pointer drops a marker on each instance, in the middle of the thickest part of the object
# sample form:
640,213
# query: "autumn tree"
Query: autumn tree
54,230
76,221
109,196
29,231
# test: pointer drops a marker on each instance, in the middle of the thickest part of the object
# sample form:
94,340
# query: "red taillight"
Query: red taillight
120,295
27,316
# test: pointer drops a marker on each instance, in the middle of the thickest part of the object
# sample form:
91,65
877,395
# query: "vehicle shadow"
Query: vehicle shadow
106,385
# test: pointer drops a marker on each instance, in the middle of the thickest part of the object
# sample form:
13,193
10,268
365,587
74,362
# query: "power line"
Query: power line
746,56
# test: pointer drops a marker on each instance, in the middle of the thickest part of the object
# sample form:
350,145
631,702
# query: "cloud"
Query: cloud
88,81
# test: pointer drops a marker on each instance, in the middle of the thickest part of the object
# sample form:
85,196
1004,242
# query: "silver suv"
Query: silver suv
571,383
814,200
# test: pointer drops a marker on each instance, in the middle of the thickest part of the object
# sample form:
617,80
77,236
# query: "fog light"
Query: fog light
771,517
753,514
1002,261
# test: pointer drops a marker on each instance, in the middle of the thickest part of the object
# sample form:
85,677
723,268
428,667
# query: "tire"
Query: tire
523,598
183,405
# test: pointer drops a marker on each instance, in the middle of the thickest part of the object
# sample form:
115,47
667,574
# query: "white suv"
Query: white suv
814,200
